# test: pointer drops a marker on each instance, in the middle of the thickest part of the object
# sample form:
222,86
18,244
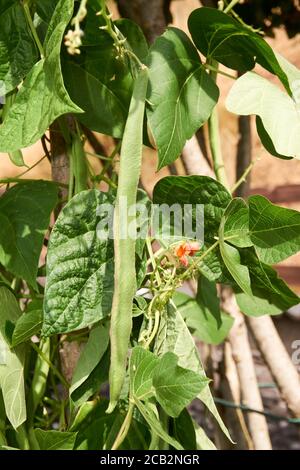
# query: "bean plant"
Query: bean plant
71,280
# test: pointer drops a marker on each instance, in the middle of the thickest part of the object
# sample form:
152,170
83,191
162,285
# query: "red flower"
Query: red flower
186,249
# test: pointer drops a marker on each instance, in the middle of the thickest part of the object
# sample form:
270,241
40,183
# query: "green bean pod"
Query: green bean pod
80,168
125,273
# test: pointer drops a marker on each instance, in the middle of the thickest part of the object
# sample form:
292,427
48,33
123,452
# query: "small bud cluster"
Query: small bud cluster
73,38
73,41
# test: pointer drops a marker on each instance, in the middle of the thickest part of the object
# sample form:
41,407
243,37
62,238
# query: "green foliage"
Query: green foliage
27,325
223,39
25,212
74,302
18,52
91,355
181,94
253,94
55,440
105,81
202,315
43,96
274,230
11,362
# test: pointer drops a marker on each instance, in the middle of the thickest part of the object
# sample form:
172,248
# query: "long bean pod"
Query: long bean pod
125,273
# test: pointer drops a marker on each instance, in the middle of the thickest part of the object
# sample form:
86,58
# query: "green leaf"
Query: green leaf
92,96
175,387
204,318
202,440
45,9
55,440
222,38
238,271
11,361
80,266
16,158
18,52
267,141
92,384
279,113
97,430
181,94
25,211
184,430
92,425
27,325
174,336
91,355
232,260
105,81
142,366
236,227
151,417
274,230
271,295
195,190
42,97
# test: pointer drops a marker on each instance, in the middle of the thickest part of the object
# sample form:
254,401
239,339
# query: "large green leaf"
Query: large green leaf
174,336
45,9
175,387
91,355
92,384
267,141
271,295
105,80
202,440
184,430
151,418
274,230
55,440
181,94
236,225
25,212
202,315
18,52
97,430
80,266
222,38
195,190
279,113
42,97
232,261
142,366
11,361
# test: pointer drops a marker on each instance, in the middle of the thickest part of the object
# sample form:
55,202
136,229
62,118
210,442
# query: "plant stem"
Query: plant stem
22,438
32,29
231,5
214,135
52,366
28,169
215,147
125,427
23,180
216,70
153,261
155,329
71,179
242,179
